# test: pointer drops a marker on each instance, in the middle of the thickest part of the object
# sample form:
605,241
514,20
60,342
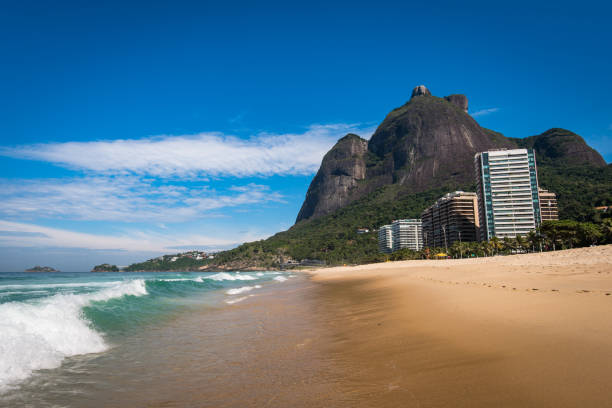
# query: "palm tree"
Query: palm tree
485,247
533,239
521,243
495,244
508,244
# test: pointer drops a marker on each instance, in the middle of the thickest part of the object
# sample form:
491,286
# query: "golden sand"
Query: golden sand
524,330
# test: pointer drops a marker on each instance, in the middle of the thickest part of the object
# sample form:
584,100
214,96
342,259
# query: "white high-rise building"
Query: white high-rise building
508,197
407,234
385,239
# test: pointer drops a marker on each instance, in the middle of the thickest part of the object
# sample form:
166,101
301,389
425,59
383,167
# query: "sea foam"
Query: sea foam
40,335
243,289
221,276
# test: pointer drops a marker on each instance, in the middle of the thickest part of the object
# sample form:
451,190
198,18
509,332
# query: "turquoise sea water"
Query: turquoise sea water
46,318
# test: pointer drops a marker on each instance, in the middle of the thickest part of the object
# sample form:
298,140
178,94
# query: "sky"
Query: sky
134,129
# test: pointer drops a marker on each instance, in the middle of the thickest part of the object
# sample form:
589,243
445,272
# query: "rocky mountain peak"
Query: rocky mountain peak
420,90
341,171
459,100
427,143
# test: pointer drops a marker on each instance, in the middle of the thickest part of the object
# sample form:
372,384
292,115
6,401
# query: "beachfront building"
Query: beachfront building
549,211
508,198
454,217
407,233
385,239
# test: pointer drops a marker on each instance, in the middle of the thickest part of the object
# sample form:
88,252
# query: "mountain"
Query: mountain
428,142
562,147
337,181
420,151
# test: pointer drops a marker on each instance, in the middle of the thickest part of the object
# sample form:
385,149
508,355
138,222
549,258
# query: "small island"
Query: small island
105,268
42,269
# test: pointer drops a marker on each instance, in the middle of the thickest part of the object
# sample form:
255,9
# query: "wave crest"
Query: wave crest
40,335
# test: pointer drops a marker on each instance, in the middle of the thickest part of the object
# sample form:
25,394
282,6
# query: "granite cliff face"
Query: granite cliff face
427,143
336,182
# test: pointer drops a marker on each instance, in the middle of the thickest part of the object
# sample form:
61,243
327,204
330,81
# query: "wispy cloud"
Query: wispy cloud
204,154
122,198
30,235
484,112
21,234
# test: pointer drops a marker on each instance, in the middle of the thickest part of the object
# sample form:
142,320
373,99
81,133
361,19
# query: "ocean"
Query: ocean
102,339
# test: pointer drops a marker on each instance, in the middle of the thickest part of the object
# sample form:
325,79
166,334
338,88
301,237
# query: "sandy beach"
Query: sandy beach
509,331
522,330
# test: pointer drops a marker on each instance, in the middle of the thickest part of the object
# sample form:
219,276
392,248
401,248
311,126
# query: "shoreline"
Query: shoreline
527,330
521,330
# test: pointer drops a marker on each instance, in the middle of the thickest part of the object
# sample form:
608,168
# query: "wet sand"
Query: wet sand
527,330
261,352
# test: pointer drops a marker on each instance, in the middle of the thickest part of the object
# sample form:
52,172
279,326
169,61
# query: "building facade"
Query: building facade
453,217
508,197
549,211
407,234
385,239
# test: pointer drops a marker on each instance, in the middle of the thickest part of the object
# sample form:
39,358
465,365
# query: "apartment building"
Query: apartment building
385,239
407,233
549,210
453,217
507,189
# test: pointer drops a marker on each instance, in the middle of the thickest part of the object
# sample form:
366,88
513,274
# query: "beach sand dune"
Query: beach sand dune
523,330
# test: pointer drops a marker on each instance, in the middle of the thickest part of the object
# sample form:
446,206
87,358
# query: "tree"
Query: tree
508,244
495,244
533,239
606,230
521,243
549,231
589,233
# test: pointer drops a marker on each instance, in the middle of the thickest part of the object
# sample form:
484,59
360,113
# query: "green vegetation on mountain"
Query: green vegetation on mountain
333,238
187,261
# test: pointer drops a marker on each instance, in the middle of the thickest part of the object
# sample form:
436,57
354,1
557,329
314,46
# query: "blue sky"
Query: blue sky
131,129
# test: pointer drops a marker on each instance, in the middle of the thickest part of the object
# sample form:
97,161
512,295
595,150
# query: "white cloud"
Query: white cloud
30,235
122,198
198,155
484,112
